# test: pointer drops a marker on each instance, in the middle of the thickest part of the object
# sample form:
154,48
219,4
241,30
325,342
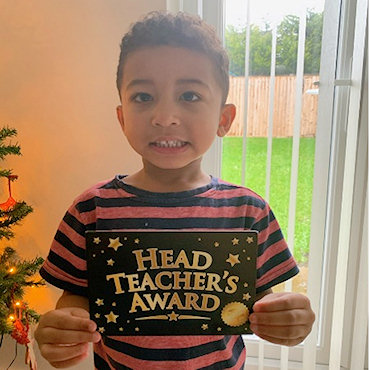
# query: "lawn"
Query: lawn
280,180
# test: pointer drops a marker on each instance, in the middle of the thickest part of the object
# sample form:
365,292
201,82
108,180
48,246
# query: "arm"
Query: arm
282,318
64,334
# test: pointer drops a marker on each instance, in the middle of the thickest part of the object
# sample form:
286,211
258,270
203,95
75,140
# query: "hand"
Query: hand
63,336
282,318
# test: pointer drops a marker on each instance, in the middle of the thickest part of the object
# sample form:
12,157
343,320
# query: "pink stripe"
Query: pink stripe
170,212
72,235
99,349
230,193
194,363
62,275
270,252
276,272
263,235
68,256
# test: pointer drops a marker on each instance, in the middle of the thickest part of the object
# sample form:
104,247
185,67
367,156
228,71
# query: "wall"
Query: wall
57,88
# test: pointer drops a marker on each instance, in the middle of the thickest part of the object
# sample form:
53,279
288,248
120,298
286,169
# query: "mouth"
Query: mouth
169,143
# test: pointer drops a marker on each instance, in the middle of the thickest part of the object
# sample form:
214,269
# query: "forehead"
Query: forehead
167,62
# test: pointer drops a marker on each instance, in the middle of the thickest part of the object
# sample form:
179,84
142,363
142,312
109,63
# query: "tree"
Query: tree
15,274
259,53
286,48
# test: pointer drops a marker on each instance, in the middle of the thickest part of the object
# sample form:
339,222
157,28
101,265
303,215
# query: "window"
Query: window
339,171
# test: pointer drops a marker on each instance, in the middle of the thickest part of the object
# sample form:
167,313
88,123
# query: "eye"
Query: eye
142,97
189,96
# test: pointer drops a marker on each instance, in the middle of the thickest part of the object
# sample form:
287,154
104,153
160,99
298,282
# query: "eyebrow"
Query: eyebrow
196,81
139,82
182,81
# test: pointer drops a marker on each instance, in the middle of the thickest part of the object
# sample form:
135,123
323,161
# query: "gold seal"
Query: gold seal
235,314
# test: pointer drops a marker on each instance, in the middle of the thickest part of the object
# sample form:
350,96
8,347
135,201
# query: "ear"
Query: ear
228,112
120,117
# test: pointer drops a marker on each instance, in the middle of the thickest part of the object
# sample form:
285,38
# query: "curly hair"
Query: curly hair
178,30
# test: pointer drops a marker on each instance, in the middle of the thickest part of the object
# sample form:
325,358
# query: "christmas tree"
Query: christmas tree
16,274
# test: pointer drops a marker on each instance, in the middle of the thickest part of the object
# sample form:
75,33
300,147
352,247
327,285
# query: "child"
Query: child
173,82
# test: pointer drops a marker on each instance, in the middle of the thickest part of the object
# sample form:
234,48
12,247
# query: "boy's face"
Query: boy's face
171,106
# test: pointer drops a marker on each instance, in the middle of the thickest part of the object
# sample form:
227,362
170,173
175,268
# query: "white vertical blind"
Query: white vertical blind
271,112
321,174
295,155
246,89
348,186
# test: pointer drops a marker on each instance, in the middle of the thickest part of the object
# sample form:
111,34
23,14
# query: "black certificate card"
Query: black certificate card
171,283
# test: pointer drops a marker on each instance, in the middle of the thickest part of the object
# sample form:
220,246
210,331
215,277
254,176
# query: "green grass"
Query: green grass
280,180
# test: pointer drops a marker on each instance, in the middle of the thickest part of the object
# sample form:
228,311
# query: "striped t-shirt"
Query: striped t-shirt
114,205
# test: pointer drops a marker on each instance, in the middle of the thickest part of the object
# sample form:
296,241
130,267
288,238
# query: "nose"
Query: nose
165,114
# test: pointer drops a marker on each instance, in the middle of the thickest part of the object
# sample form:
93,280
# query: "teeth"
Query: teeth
169,144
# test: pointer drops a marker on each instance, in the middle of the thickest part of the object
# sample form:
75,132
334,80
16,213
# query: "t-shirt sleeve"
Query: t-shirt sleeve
275,262
65,266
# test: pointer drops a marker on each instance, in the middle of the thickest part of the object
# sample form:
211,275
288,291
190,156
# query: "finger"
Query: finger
61,320
53,336
283,342
68,363
57,353
281,302
281,332
282,318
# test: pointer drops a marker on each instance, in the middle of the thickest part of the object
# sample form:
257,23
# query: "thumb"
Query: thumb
77,312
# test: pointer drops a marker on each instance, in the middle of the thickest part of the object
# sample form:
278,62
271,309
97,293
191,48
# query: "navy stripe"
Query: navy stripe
167,354
263,223
273,238
100,363
225,364
273,262
74,224
90,204
63,240
61,284
174,223
288,275
66,266
116,365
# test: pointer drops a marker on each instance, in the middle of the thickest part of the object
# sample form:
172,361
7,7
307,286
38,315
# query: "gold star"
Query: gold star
246,285
219,329
97,315
250,239
233,259
97,240
137,329
248,258
235,241
120,329
247,296
101,330
114,243
216,244
173,316
114,304
205,326
111,317
137,241
99,302
110,262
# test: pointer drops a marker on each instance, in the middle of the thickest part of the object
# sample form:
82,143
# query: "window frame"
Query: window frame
336,72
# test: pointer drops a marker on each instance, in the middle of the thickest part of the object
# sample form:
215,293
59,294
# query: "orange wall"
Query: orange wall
58,62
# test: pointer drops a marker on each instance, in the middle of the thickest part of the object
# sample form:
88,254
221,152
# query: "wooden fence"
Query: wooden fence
283,116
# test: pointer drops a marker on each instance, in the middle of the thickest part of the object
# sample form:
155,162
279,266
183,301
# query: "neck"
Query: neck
160,180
